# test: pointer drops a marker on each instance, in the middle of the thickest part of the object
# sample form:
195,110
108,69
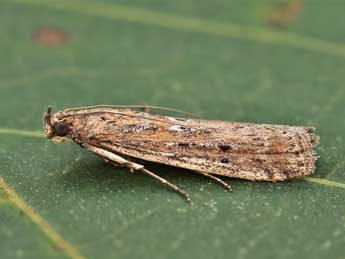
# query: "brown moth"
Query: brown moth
120,135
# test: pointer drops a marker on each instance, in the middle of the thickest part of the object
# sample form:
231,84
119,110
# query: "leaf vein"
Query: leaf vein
39,134
43,225
324,182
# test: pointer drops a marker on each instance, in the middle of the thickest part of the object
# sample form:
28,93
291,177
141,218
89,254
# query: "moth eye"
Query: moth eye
61,129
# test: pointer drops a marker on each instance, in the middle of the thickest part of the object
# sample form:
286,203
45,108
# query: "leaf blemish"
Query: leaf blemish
284,13
50,36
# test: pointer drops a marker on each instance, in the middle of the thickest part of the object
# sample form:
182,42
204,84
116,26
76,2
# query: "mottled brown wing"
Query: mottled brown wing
241,150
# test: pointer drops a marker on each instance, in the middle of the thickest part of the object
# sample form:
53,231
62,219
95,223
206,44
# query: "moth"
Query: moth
122,135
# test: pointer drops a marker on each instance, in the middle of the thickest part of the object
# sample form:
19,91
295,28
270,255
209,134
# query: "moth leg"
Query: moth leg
216,179
165,182
133,167
120,165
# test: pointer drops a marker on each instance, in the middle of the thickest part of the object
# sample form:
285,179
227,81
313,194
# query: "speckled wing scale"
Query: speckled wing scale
242,150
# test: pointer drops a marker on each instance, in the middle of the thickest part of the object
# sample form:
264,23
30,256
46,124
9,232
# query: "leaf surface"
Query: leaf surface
221,59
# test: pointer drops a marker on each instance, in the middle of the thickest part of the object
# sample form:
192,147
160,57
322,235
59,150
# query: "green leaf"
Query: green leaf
252,61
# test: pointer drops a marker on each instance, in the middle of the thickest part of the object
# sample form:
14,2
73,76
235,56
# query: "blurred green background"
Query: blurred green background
278,62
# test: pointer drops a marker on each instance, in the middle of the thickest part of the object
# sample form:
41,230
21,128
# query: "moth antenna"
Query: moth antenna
122,114
48,115
47,122
145,107
49,110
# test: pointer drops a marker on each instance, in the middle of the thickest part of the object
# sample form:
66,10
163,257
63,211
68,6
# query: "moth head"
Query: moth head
55,126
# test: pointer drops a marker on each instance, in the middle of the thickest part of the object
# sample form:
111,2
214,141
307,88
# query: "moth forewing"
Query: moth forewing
241,150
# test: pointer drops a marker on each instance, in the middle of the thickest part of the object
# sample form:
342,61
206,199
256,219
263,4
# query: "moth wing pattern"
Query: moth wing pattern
242,150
